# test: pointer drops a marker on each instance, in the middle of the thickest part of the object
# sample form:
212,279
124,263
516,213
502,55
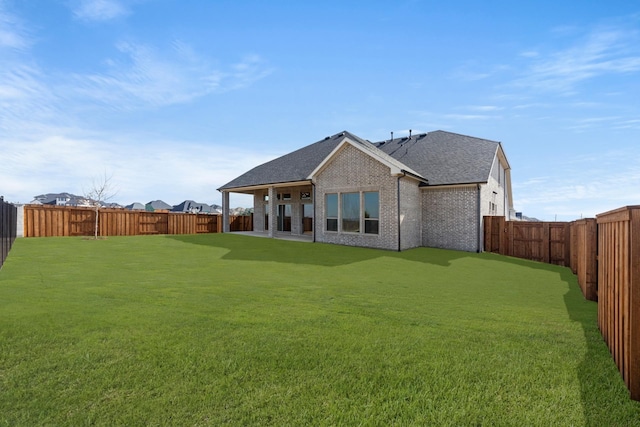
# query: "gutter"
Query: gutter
404,173
413,175
313,224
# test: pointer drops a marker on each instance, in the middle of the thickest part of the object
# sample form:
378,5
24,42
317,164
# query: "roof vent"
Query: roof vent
392,135
328,137
409,133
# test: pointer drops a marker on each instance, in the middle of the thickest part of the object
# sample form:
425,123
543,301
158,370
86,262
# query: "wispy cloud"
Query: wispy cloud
13,33
472,71
166,170
471,116
583,185
484,108
147,77
98,10
26,98
603,51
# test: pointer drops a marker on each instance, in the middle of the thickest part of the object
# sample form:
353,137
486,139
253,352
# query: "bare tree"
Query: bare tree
101,190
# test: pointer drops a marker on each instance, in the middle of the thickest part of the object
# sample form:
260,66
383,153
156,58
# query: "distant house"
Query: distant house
60,199
135,207
157,205
431,189
189,206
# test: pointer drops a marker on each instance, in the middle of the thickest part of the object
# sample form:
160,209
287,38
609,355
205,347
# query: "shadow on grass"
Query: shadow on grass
598,377
597,373
249,248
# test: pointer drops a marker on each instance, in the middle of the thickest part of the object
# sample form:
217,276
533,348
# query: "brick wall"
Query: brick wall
410,214
351,170
260,206
450,218
259,210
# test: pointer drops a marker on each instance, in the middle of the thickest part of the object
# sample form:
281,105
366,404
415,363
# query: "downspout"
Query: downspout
399,229
313,224
479,222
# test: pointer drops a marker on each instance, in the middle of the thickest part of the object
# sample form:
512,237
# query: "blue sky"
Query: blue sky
175,98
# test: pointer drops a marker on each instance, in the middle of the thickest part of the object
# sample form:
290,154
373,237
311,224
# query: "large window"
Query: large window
331,208
351,212
356,212
371,212
284,217
307,218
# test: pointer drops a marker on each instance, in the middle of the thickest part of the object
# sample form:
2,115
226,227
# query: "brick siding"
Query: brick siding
450,218
351,170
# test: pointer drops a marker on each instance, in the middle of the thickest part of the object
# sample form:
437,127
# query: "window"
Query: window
305,195
331,208
266,218
307,218
284,218
371,212
351,212
356,213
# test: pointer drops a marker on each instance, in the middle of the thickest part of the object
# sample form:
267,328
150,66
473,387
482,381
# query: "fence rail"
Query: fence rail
52,221
619,290
8,222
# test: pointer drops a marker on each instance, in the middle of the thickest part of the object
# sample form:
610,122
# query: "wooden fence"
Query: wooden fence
50,221
8,221
584,255
619,290
604,253
570,244
547,242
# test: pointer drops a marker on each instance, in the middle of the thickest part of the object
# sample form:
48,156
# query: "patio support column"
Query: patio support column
225,212
273,211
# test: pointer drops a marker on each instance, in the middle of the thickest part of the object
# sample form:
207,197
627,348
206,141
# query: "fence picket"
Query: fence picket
45,220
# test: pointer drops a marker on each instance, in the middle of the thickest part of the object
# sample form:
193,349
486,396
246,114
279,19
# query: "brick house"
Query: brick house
430,189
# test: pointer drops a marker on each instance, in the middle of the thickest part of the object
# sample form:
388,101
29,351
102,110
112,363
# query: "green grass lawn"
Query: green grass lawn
236,330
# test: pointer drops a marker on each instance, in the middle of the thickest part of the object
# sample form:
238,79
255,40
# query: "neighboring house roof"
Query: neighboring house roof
444,158
61,199
52,198
135,207
191,206
157,205
440,157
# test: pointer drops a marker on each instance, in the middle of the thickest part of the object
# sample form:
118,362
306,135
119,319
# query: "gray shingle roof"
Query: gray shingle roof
441,157
295,166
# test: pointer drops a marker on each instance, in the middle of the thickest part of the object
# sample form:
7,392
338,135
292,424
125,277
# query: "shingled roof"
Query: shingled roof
444,158
292,167
441,157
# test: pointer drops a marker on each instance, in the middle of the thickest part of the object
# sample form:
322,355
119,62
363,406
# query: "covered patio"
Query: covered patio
279,211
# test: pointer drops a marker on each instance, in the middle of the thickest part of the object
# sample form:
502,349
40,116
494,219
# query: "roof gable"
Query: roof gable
369,149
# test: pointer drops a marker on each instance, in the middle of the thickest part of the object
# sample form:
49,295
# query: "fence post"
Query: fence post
546,242
634,302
